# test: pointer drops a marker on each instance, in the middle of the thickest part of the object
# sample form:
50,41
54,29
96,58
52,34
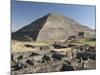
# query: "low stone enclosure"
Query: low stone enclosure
53,60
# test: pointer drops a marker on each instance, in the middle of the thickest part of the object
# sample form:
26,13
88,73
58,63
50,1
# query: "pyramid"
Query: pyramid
51,27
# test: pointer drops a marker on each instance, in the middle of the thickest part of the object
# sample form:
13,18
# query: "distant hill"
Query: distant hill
52,27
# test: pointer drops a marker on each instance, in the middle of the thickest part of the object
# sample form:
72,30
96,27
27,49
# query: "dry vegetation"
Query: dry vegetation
18,46
82,42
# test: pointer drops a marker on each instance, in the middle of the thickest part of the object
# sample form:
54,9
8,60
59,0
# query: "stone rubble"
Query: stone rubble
80,58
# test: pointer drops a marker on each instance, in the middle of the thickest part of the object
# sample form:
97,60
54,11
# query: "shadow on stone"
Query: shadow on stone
29,62
18,66
67,68
33,54
20,57
29,46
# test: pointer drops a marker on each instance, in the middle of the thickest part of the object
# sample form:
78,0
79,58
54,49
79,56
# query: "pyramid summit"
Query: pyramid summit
51,27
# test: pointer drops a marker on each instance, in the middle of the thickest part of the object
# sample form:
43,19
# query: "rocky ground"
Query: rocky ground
46,59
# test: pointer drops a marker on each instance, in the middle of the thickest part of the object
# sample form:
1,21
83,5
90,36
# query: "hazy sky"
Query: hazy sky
23,13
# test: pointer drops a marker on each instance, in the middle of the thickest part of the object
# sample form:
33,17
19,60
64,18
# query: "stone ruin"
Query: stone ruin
78,58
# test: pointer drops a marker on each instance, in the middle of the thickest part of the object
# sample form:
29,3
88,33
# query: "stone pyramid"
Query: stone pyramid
51,27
